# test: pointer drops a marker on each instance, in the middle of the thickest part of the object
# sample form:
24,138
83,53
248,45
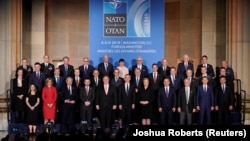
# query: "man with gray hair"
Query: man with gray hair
139,65
183,66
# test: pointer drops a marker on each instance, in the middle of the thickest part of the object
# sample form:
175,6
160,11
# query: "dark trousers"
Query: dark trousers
166,117
224,116
205,115
68,117
86,114
106,117
126,116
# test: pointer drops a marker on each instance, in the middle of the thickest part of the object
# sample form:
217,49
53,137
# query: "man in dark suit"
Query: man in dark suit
203,74
106,102
210,69
87,96
69,97
86,69
77,80
174,79
117,81
106,68
77,83
59,83
183,66
194,84
175,82
229,82
37,77
126,101
229,74
229,70
186,103
137,79
137,82
166,103
96,79
205,101
223,101
47,68
143,68
66,69
96,82
193,81
155,80
27,69
164,70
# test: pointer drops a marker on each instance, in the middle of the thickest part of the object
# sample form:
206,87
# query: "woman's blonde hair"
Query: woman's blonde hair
47,81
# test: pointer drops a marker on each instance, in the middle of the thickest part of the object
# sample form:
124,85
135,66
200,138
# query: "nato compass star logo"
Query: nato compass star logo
115,4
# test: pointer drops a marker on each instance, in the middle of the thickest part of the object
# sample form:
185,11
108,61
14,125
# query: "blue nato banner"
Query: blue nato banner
126,29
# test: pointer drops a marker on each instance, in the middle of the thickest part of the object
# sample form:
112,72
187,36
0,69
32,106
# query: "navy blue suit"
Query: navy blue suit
59,84
39,82
144,70
177,82
205,100
86,74
167,103
181,70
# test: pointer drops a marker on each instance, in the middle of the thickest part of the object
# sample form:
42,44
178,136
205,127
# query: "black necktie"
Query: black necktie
127,89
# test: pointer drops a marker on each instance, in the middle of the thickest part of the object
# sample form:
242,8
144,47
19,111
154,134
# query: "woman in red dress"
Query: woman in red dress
49,97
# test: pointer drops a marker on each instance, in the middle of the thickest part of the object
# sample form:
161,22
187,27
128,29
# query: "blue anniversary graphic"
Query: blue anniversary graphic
126,18
126,29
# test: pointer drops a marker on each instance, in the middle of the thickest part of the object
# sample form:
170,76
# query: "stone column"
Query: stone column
238,41
209,30
10,41
37,31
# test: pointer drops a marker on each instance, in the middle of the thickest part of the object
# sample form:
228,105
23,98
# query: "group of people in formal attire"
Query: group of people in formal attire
109,94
